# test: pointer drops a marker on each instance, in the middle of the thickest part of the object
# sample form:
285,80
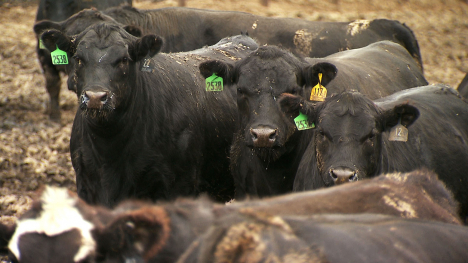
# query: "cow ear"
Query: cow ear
143,233
406,114
133,30
42,26
53,39
220,68
148,45
294,104
328,71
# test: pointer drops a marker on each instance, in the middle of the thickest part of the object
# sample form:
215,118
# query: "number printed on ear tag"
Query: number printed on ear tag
59,57
214,83
398,133
302,122
147,65
319,92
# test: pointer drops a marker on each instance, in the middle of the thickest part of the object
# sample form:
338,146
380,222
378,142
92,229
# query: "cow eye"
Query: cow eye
321,133
78,60
124,60
369,137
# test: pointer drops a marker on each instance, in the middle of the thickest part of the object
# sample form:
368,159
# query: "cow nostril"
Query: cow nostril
273,135
333,175
254,134
104,98
353,177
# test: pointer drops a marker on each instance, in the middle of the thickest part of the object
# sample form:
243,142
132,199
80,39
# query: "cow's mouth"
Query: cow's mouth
96,104
269,153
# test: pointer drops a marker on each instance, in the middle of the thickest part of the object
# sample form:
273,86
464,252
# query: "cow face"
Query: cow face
62,228
260,79
78,22
54,230
105,64
348,135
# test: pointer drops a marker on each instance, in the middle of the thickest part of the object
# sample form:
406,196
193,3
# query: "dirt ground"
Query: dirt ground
35,151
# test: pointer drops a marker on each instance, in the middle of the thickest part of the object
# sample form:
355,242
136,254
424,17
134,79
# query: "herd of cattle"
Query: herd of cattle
149,127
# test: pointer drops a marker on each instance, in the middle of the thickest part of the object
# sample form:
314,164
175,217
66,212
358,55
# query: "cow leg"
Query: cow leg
53,84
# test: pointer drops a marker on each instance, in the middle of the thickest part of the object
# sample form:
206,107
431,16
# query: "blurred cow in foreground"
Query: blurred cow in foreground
60,227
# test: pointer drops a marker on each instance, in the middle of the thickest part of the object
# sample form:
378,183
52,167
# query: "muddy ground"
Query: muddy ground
35,151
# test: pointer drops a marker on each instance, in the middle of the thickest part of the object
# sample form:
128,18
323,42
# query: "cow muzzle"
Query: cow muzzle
343,175
94,99
264,137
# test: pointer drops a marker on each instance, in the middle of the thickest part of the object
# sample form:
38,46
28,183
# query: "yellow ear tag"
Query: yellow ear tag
319,92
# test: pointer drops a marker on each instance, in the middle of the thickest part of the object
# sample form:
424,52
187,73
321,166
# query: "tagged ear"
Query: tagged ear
147,45
133,30
328,71
143,232
220,68
41,26
54,38
407,114
290,103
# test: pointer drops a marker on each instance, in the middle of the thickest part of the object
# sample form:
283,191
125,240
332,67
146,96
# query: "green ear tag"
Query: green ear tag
302,122
41,45
214,83
59,57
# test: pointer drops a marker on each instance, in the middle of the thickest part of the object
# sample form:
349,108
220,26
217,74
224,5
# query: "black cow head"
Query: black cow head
78,22
106,59
260,79
347,143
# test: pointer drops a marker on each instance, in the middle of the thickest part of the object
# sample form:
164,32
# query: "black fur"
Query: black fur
159,134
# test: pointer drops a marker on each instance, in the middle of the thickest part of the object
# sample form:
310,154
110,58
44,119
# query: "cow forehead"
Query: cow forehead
342,115
92,40
59,215
267,76
347,125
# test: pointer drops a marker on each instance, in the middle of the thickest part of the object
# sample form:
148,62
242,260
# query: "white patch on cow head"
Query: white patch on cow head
58,215
357,26
405,208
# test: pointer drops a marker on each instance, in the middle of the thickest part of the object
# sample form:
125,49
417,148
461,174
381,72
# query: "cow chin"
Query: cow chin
101,113
269,153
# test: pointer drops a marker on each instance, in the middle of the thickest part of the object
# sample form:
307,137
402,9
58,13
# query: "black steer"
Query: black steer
59,10
352,138
152,134
255,238
59,227
185,29
267,149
